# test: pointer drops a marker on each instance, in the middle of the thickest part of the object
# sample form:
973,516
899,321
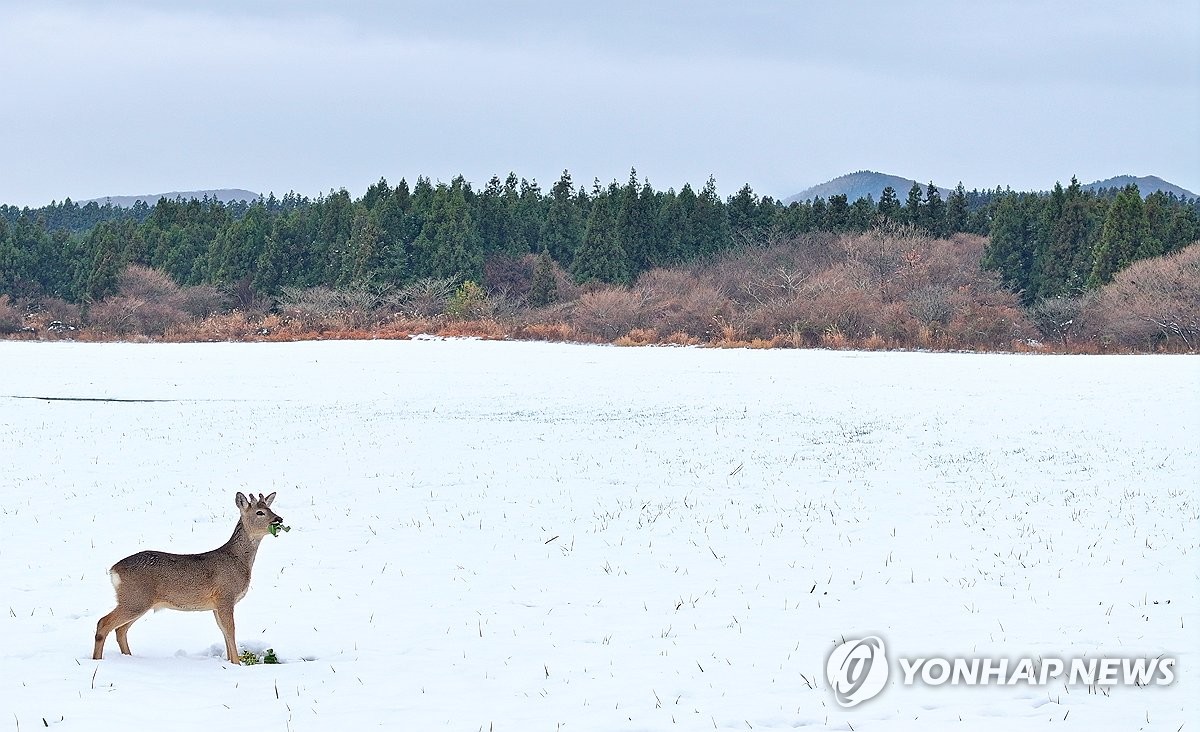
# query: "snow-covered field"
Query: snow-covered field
524,536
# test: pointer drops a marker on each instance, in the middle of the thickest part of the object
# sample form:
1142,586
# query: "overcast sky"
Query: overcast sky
115,98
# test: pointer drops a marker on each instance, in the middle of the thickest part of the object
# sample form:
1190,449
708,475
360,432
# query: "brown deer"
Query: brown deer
215,580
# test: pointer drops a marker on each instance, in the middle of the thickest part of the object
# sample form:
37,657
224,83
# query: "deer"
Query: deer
215,580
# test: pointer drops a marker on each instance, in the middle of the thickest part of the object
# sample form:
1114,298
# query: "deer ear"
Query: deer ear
269,500
240,500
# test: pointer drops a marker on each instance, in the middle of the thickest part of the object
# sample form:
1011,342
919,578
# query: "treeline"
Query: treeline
1042,245
1070,241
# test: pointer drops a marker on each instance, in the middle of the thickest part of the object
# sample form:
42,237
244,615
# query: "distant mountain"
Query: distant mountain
867,182
224,195
861,184
1147,184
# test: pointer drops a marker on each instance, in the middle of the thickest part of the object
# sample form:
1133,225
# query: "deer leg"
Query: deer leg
121,617
225,622
123,637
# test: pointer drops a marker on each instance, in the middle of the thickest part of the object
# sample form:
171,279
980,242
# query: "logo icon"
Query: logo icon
857,670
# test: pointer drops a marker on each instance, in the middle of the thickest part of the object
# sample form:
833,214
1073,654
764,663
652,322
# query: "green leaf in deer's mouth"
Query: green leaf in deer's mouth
275,527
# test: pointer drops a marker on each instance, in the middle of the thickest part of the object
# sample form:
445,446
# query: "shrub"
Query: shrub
311,307
11,319
324,308
608,313
123,316
680,302
424,298
509,276
1154,303
1059,318
469,301
55,309
548,331
203,300
933,305
148,302
150,285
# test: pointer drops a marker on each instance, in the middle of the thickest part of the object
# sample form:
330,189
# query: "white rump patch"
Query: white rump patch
116,578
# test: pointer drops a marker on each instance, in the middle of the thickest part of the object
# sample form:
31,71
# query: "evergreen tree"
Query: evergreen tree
238,246
768,212
889,205
1182,229
9,259
635,224
818,216
336,219
390,260
837,215
510,198
376,193
1066,258
41,269
365,250
288,257
1122,237
493,215
743,211
449,245
544,288
564,222
913,213
709,223
601,257
957,210
672,229
101,263
1158,218
528,221
933,213
1011,247
862,214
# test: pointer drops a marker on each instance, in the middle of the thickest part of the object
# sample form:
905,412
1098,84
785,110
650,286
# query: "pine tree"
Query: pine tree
564,223
544,288
336,218
449,245
1122,237
600,257
688,245
364,250
818,216
234,254
743,210
837,215
1066,260
1158,218
1010,247
528,221
1182,229
102,261
376,192
9,260
956,210
635,224
913,207
889,205
671,226
933,213
862,214
709,223
493,216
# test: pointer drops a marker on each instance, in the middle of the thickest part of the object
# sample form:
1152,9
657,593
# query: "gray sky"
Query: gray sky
146,96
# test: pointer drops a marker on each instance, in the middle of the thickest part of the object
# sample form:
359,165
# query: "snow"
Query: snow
527,536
